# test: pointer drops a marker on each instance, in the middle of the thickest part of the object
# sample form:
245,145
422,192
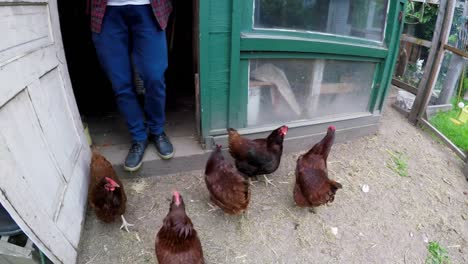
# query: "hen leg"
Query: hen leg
251,181
125,224
213,208
268,181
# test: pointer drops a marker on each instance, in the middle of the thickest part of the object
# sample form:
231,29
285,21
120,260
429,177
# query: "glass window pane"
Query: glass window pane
357,18
285,90
411,63
458,37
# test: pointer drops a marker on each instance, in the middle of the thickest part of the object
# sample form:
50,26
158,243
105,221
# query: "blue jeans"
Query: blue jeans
132,31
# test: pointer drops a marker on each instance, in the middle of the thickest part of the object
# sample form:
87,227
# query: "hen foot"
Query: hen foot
268,181
251,182
125,224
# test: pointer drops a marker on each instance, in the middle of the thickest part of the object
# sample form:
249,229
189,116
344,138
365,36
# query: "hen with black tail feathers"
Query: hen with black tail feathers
258,156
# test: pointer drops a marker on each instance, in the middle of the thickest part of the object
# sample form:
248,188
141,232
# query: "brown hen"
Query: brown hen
177,241
228,188
313,187
258,156
106,193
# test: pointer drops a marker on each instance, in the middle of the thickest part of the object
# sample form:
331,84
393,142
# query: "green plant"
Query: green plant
399,163
457,24
458,134
437,254
424,14
465,85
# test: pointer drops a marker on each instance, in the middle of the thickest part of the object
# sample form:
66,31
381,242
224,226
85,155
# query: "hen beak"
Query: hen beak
176,197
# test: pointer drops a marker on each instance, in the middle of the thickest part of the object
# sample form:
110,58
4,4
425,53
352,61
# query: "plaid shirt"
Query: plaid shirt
161,8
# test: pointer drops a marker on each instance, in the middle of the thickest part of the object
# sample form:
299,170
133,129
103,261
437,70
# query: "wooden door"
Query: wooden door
44,155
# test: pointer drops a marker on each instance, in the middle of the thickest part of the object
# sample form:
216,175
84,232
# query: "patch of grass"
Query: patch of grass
437,254
458,134
399,163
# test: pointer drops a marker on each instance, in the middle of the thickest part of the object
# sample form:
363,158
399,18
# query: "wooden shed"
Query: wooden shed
252,65
304,63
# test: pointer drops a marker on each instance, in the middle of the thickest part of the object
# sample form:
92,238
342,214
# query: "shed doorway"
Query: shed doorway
93,91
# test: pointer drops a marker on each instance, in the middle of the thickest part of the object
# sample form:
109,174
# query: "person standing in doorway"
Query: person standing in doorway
133,30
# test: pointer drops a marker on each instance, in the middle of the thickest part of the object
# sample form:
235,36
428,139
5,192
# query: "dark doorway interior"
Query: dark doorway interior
93,91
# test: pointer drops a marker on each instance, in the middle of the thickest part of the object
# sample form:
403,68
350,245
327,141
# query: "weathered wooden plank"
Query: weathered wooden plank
429,63
404,86
50,103
24,28
23,134
456,51
22,2
15,251
41,132
26,206
196,36
414,40
18,74
204,71
431,110
301,128
303,137
197,105
257,84
71,216
426,95
73,204
442,137
15,260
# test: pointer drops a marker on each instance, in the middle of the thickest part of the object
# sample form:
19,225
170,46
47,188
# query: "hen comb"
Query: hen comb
332,128
112,182
283,130
176,195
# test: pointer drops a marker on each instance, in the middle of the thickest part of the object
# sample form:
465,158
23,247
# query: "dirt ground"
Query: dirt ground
391,223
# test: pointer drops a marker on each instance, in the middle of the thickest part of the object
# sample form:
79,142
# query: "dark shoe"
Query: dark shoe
135,155
163,145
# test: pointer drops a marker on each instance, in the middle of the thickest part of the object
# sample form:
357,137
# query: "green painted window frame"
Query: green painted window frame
247,23
248,43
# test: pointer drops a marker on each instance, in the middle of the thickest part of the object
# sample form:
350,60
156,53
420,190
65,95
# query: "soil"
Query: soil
391,223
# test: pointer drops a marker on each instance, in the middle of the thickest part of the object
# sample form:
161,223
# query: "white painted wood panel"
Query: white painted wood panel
50,104
60,55
22,132
22,208
18,74
24,28
42,143
22,2
75,198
